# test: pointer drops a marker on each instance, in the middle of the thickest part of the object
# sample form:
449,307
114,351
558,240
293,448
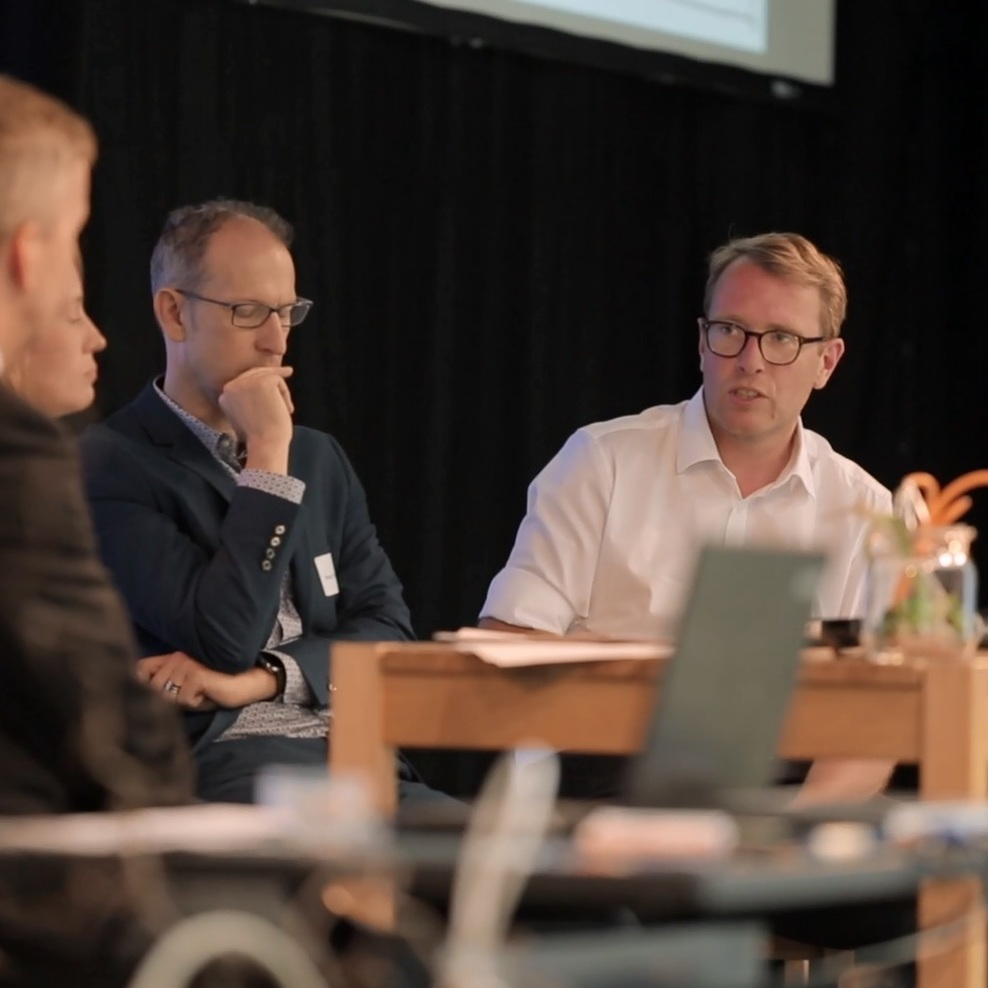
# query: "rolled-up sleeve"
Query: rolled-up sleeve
548,579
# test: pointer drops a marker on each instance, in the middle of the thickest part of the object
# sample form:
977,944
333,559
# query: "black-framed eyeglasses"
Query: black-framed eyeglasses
251,315
777,346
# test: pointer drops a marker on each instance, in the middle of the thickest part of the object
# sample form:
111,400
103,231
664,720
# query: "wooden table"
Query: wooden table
429,695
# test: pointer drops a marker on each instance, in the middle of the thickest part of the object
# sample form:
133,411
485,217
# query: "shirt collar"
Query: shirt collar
802,468
697,445
210,438
696,441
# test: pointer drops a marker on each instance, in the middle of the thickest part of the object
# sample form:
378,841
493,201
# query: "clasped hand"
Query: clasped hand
182,680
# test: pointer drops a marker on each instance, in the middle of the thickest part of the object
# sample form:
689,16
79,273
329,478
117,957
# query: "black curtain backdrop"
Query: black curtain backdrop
503,248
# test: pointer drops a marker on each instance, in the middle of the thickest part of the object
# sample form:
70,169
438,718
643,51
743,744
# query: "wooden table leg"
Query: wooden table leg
954,766
356,734
357,747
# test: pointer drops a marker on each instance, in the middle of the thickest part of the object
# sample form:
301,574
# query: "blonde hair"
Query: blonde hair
39,135
791,257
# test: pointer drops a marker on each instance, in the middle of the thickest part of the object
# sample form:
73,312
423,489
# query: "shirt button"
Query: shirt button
279,529
266,565
275,541
269,553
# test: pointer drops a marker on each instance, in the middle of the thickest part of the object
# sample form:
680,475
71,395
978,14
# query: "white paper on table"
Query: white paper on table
508,649
479,634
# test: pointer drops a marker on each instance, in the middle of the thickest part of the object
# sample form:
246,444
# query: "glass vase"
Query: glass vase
922,593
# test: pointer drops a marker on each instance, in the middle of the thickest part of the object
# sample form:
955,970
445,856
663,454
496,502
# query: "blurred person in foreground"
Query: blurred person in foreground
56,372
77,731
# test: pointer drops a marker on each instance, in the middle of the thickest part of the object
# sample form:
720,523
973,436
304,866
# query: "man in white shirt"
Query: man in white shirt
615,520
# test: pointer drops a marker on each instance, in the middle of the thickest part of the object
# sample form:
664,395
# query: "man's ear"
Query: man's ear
21,256
833,350
168,312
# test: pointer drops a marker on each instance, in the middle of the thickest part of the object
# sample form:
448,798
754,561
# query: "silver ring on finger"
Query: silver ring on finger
171,687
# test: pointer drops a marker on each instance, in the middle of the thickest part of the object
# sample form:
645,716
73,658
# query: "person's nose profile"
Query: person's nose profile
96,341
272,335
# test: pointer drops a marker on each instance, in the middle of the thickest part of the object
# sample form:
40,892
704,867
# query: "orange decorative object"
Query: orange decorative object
927,483
948,504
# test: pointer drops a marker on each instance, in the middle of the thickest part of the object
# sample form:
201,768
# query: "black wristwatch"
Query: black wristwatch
276,667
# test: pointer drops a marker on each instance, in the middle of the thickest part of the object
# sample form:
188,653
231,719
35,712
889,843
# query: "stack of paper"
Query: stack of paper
501,648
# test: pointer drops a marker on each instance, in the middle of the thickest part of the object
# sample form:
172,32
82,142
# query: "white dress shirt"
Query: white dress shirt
616,518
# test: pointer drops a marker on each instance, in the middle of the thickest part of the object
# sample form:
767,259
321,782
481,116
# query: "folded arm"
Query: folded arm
217,603
190,684
211,589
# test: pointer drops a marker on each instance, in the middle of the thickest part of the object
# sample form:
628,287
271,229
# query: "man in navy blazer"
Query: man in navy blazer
235,538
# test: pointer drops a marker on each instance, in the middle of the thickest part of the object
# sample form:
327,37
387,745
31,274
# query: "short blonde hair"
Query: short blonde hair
791,257
38,136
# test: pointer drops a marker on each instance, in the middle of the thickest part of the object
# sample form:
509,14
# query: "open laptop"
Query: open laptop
715,729
725,693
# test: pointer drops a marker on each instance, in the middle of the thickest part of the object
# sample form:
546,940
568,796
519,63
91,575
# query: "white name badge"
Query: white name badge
327,574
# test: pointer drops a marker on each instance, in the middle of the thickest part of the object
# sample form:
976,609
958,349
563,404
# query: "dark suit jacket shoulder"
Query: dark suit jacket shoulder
200,560
77,731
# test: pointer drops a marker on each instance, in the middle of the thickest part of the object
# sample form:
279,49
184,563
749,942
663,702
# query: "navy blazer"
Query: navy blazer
200,560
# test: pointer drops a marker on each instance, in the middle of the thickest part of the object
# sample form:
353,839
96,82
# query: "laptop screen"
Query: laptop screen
725,693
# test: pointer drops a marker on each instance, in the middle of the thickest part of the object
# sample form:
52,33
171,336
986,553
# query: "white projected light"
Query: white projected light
787,38
741,24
